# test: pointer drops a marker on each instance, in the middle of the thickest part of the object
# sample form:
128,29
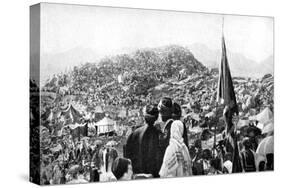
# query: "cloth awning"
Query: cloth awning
266,146
105,121
268,128
265,116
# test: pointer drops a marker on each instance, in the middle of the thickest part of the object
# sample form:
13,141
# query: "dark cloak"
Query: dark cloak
142,148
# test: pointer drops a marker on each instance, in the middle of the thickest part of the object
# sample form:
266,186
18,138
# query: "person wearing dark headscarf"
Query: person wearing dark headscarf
165,108
142,146
122,169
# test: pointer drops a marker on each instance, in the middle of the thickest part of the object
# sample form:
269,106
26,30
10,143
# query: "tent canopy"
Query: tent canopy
72,115
105,125
265,116
266,146
98,109
106,121
268,128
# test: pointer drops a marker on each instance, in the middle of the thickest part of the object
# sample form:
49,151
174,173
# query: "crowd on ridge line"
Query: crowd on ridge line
253,95
250,99
159,148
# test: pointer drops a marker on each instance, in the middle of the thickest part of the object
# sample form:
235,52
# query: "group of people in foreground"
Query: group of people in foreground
160,148
156,149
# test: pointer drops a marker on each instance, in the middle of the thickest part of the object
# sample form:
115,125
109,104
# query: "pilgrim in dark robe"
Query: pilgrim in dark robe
169,111
142,146
248,157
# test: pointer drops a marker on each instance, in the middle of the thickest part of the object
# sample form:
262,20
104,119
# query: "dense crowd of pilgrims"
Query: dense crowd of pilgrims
159,148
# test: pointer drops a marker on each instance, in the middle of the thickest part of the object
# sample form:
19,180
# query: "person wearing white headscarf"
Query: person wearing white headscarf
177,161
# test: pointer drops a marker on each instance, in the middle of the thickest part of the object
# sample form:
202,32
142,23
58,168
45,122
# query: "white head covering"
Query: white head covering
228,165
177,131
177,161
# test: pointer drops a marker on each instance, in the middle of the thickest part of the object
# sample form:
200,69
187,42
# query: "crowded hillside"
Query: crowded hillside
98,118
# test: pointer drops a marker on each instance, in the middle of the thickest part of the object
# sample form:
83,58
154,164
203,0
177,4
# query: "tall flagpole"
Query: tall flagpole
222,26
215,135
230,101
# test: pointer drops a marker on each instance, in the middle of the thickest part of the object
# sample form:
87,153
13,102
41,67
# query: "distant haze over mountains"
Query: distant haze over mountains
240,65
56,63
60,62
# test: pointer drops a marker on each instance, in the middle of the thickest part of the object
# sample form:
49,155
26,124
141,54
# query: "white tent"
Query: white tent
98,109
105,125
265,116
268,128
266,146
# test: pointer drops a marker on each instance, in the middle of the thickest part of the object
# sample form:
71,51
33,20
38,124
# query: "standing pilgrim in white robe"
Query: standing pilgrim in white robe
177,161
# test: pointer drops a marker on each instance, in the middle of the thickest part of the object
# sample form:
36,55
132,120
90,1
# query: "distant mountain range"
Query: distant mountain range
239,64
56,63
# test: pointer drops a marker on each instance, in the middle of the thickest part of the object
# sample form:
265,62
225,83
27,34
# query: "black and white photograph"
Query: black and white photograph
121,94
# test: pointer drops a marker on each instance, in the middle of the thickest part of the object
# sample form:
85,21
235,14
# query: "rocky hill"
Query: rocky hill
144,76
142,69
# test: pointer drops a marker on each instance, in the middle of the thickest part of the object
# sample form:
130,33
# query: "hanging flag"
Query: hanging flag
226,94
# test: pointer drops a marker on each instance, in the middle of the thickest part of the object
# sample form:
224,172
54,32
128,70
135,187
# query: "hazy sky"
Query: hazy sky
106,30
